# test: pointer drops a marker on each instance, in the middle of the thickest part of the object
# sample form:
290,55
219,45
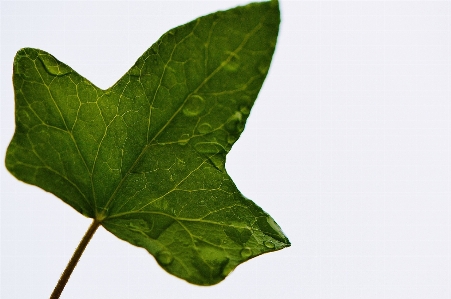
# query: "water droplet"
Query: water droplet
184,138
274,225
165,257
204,128
53,66
227,269
237,115
194,105
246,252
270,228
207,147
232,64
269,244
218,161
234,124
134,71
135,225
245,110
212,259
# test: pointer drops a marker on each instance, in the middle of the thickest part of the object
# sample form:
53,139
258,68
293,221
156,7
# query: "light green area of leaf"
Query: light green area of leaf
146,157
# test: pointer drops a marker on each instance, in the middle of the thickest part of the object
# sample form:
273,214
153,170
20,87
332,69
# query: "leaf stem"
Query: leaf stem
74,260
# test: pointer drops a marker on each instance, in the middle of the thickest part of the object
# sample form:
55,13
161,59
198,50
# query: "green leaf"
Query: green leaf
146,157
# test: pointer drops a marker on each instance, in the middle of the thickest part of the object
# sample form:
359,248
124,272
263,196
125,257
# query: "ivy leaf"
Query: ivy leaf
146,157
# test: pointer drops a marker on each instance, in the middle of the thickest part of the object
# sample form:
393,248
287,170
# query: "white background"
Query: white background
347,147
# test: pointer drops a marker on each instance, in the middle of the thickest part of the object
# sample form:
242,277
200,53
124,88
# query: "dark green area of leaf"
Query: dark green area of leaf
146,157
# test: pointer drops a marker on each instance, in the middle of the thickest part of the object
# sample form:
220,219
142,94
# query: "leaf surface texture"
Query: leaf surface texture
146,156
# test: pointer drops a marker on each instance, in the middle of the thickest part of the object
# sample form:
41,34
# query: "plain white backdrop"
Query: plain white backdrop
347,147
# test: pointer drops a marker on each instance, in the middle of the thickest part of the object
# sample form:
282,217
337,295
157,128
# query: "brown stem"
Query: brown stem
74,260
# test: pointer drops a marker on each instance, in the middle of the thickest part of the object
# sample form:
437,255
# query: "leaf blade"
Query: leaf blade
146,157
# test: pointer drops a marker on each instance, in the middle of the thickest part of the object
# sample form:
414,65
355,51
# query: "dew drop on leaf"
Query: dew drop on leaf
234,123
217,161
207,147
134,71
233,64
52,65
194,105
270,228
246,252
204,128
269,244
238,116
165,257
183,139
274,226
227,269
245,110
